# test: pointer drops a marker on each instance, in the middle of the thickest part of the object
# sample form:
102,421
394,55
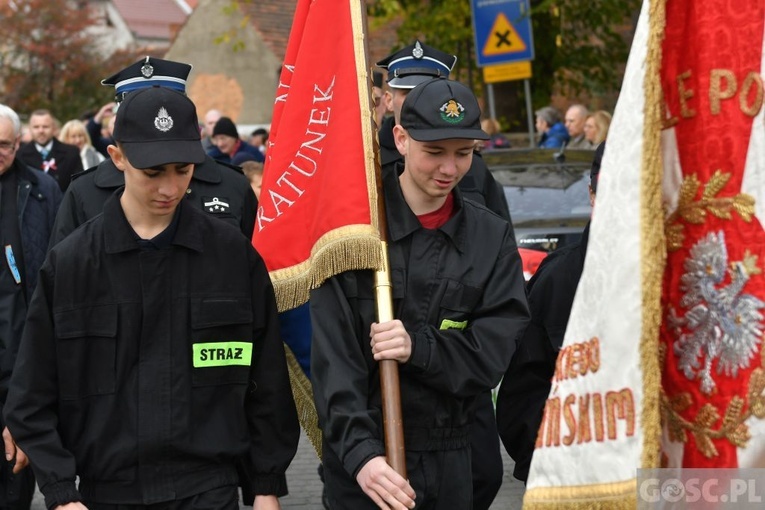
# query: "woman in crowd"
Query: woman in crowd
596,126
74,133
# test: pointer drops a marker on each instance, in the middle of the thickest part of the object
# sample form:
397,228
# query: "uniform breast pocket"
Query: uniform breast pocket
221,350
457,304
87,345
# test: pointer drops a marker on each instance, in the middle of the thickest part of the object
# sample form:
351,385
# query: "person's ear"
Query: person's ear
388,98
118,157
401,137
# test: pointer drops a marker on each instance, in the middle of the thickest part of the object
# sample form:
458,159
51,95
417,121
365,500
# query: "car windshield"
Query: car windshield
557,196
548,197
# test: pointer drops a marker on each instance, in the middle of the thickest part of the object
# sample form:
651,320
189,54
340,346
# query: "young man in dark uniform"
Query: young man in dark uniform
459,302
217,189
407,68
151,362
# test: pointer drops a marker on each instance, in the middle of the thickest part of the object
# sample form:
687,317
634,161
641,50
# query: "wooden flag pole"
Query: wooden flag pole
393,423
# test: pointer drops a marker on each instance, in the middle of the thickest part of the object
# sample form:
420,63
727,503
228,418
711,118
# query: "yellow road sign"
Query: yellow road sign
503,38
507,72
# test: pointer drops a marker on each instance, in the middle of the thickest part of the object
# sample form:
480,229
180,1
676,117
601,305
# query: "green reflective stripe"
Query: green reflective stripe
222,354
447,324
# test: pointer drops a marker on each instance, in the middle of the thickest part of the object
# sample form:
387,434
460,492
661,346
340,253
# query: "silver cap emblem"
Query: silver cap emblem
147,70
417,52
163,121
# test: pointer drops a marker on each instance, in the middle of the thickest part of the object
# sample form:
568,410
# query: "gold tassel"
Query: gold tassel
303,395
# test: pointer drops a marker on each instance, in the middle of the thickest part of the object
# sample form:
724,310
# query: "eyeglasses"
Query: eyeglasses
7,146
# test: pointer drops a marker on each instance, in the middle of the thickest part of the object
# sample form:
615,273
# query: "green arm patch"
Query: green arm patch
447,324
222,354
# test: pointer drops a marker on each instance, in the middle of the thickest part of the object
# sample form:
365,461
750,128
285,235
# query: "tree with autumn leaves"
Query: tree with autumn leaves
49,59
581,45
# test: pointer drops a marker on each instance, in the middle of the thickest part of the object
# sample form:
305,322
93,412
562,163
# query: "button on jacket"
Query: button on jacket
133,371
212,183
459,292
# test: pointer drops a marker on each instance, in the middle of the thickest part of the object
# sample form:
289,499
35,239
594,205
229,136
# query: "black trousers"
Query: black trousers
487,459
222,498
16,491
438,479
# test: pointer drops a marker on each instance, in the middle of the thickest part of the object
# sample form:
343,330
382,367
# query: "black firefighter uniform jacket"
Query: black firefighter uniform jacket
149,373
459,292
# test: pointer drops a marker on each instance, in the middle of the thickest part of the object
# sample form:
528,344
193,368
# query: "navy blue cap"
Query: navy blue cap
415,64
441,109
148,72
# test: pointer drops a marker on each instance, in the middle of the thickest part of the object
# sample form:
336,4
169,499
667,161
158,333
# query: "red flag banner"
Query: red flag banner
714,289
318,213
318,205
663,363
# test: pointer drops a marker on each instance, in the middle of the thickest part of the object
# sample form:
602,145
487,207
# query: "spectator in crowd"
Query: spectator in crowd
100,128
526,385
496,139
575,118
460,305
28,203
47,153
75,133
258,138
252,169
227,142
596,126
217,189
211,118
553,133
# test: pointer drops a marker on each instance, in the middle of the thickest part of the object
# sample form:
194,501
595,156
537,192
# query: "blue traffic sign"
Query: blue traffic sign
502,31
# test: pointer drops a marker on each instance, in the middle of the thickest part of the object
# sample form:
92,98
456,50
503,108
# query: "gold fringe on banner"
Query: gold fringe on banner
653,243
303,395
344,249
604,496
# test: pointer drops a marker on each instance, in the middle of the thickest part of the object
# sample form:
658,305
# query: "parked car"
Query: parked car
547,192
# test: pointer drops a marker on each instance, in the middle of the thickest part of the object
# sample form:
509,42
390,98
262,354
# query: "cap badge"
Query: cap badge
452,112
163,121
418,52
147,70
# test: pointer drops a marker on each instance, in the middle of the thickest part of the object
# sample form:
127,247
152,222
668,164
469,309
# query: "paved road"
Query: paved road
305,486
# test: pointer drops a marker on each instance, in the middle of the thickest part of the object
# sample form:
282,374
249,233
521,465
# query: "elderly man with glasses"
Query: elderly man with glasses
29,200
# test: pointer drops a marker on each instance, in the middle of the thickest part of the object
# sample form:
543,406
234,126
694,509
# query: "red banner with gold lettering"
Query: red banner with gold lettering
317,215
714,289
